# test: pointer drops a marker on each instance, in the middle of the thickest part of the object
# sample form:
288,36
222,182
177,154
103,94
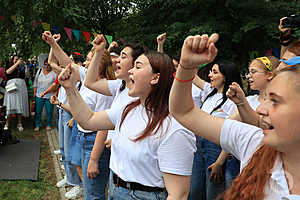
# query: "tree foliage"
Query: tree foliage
244,26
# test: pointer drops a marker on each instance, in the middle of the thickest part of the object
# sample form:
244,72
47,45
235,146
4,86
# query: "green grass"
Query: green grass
44,188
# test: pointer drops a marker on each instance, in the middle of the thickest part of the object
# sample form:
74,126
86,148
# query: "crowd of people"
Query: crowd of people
151,126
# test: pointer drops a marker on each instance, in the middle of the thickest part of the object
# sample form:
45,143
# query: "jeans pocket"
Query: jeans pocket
161,195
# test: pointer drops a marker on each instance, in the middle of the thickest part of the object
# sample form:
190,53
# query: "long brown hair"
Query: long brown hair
157,102
107,69
250,183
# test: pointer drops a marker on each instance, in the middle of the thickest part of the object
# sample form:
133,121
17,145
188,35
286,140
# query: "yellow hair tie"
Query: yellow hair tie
266,61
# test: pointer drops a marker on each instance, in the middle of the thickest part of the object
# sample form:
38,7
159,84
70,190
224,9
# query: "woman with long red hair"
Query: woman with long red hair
270,161
151,154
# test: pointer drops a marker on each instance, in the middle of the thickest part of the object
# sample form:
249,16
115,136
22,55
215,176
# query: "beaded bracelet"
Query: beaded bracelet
182,81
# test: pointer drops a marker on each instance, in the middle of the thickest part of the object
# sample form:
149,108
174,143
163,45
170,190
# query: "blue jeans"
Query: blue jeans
201,187
232,171
40,102
65,134
94,188
120,193
75,147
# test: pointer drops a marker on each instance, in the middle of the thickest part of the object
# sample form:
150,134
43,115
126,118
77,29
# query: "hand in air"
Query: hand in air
236,94
198,50
99,43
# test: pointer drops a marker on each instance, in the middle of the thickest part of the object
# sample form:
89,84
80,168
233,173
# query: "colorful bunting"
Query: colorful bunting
69,32
56,29
109,39
76,33
13,18
46,26
87,36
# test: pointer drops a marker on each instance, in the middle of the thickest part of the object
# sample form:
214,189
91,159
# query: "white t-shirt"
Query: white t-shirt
170,150
242,140
121,98
226,110
253,101
95,101
62,95
197,95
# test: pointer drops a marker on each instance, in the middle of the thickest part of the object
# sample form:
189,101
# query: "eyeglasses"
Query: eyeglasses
252,73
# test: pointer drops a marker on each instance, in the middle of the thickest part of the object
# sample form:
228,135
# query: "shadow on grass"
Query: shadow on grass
44,188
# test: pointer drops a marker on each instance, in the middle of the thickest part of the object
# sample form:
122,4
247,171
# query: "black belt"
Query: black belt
135,186
89,133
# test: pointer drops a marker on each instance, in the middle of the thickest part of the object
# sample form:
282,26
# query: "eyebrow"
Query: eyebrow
123,53
275,95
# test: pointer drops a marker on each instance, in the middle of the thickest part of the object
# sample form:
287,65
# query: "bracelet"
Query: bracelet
183,81
242,103
186,67
59,104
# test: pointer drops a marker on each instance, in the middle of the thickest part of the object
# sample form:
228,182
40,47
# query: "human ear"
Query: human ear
155,79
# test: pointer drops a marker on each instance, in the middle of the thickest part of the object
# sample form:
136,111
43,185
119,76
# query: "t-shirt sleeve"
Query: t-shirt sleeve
240,139
176,153
114,114
114,86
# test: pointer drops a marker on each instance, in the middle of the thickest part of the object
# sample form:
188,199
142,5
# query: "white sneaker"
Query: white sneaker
62,182
57,152
74,193
5,127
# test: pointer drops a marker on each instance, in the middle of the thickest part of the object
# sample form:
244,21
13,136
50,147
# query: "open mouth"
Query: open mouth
131,79
265,125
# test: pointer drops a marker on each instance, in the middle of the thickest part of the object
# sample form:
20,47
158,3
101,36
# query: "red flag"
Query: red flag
69,32
122,40
36,23
87,36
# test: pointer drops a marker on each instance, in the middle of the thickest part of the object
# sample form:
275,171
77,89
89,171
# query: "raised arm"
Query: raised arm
245,113
92,80
199,82
196,50
160,42
59,54
81,112
14,66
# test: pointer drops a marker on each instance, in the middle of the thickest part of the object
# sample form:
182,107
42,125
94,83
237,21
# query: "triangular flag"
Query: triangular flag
13,18
122,40
69,32
1,17
56,29
36,23
86,36
46,26
109,39
76,33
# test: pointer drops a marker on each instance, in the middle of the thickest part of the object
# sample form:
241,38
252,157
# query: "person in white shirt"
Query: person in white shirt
261,72
270,161
151,154
207,178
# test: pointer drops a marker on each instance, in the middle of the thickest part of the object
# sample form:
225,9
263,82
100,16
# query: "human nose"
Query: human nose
263,108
